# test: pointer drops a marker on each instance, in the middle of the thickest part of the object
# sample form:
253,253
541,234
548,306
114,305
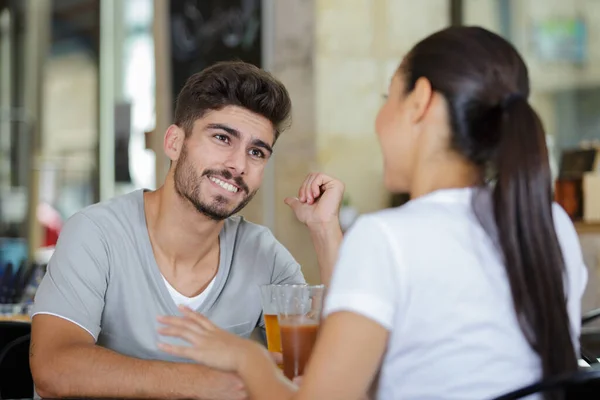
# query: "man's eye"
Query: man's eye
257,153
222,138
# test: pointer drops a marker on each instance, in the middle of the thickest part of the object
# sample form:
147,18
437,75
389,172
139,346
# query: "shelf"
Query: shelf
587,227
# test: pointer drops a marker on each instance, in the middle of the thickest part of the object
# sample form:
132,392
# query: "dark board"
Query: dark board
207,31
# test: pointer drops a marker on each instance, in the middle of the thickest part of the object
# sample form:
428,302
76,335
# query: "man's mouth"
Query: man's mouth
225,185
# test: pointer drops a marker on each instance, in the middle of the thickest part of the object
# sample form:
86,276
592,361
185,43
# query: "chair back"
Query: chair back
15,376
581,385
590,337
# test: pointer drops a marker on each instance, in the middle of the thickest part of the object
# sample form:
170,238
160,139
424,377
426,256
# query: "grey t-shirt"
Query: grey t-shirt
103,277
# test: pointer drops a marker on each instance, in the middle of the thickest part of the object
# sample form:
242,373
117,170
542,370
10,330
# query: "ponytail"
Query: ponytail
522,203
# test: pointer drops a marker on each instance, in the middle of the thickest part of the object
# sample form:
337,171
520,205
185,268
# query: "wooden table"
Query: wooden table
15,318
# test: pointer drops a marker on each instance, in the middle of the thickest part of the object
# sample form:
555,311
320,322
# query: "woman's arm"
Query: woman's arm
361,309
344,362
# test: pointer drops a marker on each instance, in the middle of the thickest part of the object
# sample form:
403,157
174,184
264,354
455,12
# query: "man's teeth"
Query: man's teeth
224,185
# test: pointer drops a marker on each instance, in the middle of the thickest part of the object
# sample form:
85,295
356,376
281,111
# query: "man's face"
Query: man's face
221,164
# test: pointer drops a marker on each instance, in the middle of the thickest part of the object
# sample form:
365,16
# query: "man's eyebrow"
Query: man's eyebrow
261,144
235,133
232,131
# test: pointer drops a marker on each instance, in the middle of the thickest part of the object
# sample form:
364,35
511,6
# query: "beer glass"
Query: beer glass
299,314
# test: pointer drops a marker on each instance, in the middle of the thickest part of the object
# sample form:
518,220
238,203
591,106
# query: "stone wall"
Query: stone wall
293,61
359,44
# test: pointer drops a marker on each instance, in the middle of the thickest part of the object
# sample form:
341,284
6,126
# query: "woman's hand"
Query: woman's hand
210,345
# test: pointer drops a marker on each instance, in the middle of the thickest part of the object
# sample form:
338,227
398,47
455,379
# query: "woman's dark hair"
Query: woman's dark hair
486,86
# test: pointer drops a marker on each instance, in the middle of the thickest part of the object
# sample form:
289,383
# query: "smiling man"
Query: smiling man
120,264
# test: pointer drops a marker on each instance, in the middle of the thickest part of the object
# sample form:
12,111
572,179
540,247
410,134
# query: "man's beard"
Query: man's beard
187,186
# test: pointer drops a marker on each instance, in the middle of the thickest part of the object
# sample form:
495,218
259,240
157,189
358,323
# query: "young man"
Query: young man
120,264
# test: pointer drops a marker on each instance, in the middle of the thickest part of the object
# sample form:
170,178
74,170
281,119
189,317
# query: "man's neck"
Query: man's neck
181,237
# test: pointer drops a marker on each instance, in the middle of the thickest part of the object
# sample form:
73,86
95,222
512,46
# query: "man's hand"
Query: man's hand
318,202
317,206
224,387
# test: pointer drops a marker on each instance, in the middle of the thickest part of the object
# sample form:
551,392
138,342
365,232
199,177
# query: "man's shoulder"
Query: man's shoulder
110,213
257,243
248,232
249,236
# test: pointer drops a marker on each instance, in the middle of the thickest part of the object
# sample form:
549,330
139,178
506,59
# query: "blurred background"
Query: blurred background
87,91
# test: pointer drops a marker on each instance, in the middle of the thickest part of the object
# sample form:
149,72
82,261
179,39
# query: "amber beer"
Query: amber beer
269,304
298,340
273,334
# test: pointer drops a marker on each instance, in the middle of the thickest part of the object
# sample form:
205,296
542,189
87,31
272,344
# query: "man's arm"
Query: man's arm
318,206
67,319
65,362
327,239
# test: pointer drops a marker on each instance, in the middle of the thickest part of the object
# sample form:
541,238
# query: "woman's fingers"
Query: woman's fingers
198,318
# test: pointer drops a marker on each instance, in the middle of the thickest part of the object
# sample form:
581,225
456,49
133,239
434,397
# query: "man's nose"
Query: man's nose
236,162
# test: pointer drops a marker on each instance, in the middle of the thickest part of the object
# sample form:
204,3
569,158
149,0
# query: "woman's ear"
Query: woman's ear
421,97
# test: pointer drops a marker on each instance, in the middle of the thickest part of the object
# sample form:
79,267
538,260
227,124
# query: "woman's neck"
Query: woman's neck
449,171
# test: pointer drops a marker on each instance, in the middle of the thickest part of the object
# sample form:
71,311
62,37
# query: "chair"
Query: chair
590,316
15,376
581,385
590,338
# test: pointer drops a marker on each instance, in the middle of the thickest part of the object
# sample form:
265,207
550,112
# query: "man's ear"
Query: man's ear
173,142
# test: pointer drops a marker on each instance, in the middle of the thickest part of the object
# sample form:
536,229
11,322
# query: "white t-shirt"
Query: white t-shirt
192,302
430,274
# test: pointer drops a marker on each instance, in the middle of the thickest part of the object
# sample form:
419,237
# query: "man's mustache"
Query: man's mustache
225,174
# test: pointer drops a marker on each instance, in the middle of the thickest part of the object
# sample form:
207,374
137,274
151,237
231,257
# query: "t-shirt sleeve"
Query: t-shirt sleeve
286,269
366,280
77,276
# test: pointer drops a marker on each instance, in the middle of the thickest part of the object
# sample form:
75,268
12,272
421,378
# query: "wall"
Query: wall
293,60
359,44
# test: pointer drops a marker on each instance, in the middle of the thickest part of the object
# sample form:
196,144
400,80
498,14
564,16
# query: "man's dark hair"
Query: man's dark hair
233,83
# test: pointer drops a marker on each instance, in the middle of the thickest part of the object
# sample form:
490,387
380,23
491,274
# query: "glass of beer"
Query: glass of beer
299,309
269,304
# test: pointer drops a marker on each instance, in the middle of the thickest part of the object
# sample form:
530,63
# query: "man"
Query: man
120,264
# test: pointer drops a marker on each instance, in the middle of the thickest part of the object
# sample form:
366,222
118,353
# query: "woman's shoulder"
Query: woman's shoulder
415,214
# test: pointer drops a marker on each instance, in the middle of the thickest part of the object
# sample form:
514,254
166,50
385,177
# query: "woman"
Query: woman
471,289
